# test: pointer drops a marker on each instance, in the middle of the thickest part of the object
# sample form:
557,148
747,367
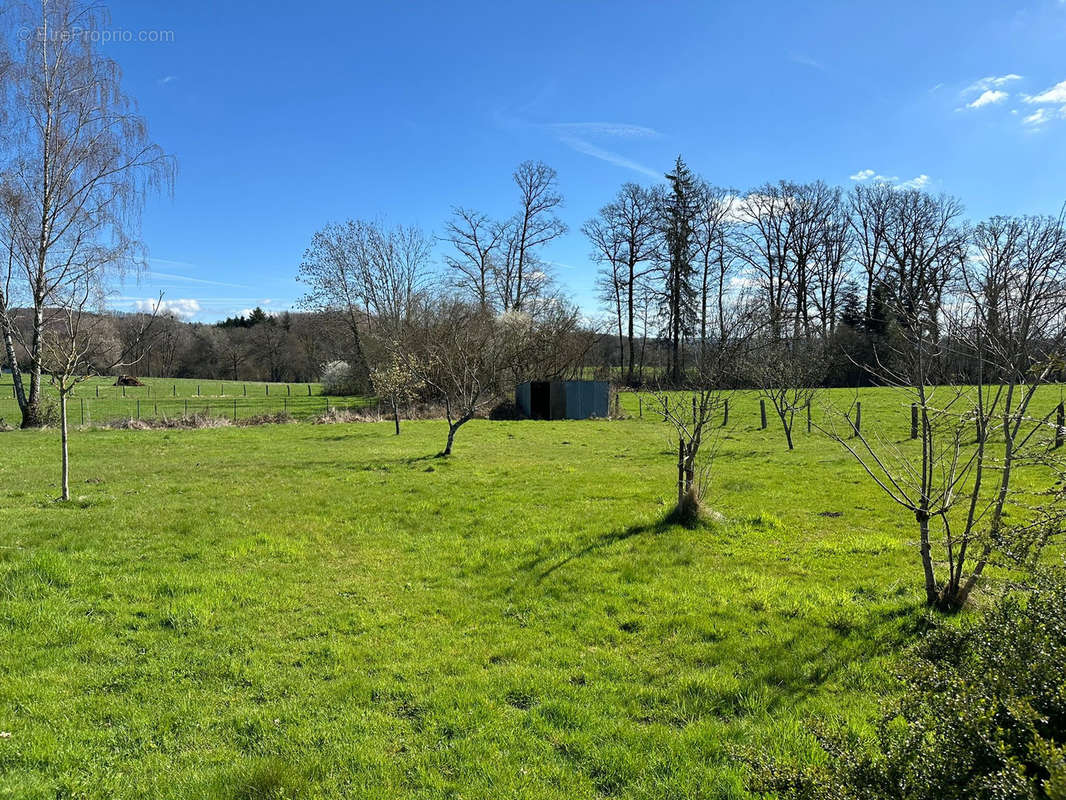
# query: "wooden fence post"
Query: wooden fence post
762,414
1060,425
138,408
725,414
808,416
914,420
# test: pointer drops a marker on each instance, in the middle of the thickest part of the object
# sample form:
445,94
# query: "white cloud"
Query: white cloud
1055,95
1042,115
167,79
868,174
991,82
185,308
914,183
988,97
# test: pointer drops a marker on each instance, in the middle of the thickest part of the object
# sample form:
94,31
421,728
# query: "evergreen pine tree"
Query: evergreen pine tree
679,220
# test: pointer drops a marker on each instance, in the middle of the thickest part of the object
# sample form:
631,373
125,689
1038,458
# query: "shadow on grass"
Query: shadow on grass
673,518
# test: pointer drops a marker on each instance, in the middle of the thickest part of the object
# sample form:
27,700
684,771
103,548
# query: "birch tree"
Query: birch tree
79,165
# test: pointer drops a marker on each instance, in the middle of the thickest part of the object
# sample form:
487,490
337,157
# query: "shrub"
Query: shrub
981,714
339,379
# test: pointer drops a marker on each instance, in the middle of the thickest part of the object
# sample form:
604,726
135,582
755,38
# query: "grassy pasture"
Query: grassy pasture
330,611
98,400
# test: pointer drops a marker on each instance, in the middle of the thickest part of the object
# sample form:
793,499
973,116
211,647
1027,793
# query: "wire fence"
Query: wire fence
98,404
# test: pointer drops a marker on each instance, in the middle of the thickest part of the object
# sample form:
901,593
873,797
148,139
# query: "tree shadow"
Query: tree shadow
602,542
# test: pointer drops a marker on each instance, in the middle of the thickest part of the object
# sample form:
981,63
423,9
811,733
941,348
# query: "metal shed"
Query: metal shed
563,399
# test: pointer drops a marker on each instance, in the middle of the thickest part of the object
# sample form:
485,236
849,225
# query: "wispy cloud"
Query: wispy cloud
988,97
576,136
175,276
1053,96
806,61
991,82
589,149
167,79
863,174
618,129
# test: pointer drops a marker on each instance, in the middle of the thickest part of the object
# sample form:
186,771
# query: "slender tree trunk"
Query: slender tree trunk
629,314
64,436
932,597
396,413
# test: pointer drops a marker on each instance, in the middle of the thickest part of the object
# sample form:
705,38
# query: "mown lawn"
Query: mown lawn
330,611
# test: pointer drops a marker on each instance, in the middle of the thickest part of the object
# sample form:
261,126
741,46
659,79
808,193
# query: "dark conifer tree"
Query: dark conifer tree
680,209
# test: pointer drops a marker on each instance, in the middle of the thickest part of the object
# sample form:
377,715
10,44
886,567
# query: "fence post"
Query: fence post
246,390
174,389
808,416
97,390
1060,425
83,411
914,420
308,390
197,390
725,415
138,408
155,410
123,390
288,390
267,385
222,390
762,414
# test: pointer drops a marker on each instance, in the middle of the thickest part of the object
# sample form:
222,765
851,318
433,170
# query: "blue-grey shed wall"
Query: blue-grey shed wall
522,398
569,399
585,399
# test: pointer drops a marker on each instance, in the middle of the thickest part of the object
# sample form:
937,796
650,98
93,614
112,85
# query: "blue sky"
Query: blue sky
285,116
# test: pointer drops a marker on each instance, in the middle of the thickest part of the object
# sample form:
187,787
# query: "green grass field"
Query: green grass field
300,611
99,401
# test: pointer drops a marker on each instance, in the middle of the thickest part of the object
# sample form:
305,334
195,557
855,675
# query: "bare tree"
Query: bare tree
764,242
398,380
476,240
998,295
695,411
77,338
80,164
625,237
459,351
535,225
715,256
787,372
